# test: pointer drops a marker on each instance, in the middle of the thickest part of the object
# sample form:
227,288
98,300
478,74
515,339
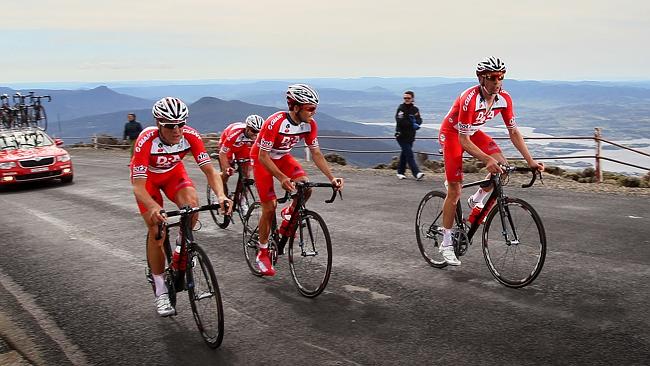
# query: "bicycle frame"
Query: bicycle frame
496,196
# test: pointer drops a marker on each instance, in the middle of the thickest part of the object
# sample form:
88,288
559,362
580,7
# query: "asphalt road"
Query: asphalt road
73,291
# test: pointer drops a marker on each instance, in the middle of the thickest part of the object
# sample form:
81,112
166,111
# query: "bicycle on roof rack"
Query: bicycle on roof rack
513,237
23,114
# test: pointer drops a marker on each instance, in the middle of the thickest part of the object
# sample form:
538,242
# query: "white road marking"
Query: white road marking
49,326
373,294
330,352
635,217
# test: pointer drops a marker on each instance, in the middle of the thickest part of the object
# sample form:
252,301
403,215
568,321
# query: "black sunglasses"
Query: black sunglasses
171,125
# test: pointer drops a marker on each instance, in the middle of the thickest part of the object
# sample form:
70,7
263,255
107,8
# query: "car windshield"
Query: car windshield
11,140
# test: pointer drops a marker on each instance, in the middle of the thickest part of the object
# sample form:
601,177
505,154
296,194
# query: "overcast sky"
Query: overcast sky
88,40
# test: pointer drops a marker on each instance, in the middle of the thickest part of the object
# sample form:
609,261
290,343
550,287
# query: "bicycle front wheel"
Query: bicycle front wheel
514,247
221,220
310,255
40,117
205,298
251,237
428,228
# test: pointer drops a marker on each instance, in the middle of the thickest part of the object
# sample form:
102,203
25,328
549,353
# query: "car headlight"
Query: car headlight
8,165
63,158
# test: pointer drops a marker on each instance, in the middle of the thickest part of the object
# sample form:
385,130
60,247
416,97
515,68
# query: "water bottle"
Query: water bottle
474,215
286,211
176,258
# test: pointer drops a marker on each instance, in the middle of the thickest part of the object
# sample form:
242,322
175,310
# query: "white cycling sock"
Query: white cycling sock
479,196
446,239
159,281
263,246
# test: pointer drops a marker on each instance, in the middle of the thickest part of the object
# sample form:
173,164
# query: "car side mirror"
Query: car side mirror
58,142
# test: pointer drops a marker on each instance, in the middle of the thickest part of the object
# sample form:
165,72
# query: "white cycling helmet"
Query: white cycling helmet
170,108
302,94
490,64
254,121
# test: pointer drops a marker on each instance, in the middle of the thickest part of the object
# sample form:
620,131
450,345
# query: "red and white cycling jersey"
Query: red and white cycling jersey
150,154
234,138
278,135
469,112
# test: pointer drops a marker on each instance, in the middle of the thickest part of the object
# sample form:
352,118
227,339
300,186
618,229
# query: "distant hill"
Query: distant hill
69,104
213,115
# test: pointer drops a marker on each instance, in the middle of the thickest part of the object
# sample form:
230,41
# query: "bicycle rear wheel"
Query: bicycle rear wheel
40,117
515,247
221,220
429,229
205,298
251,236
310,255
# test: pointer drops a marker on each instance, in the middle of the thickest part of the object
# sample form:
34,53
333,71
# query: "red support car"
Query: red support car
29,154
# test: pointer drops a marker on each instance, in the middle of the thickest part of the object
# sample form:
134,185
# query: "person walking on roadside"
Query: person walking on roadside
408,120
132,129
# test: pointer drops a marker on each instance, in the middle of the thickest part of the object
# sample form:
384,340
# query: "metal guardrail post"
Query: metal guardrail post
95,142
307,154
599,170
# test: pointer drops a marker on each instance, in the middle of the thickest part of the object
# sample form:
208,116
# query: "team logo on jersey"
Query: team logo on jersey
203,156
274,120
468,99
140,169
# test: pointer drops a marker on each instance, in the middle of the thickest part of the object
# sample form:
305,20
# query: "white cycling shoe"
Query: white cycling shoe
164,306
448,254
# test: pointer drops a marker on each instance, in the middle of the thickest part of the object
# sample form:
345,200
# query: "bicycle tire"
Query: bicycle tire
202,285
428,228
221,220
531,247
39,118
250,237
247,196
310,270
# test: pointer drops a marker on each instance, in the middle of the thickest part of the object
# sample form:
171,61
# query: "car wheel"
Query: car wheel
67,179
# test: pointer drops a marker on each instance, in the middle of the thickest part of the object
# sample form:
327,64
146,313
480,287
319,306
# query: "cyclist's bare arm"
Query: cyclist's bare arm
152,216
518,140
215,182
324,167
224,163
265,159
491,164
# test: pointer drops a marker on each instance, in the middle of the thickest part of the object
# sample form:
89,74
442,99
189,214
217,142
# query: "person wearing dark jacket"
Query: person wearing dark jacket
132,130
408,120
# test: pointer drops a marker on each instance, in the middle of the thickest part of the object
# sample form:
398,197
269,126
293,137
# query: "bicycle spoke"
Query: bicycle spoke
515,260
310,255
205,298
428,228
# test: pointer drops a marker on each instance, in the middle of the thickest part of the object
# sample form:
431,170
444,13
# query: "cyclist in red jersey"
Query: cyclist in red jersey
236,142
271,158
460,131
157,165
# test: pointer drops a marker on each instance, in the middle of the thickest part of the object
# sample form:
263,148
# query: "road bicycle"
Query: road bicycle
36,111
242,198
309,242
194,273
513,240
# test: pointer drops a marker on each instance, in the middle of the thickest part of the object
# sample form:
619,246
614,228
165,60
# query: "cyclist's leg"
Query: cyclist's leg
453,158
264,183
490,147
180,190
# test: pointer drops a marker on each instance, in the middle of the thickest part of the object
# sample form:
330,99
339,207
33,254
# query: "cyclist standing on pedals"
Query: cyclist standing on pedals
272,158
157,165
236,142
460,131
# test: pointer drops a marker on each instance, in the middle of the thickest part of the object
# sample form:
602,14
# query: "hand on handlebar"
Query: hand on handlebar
230,171
338,183
537,165
156,216
226,205
492,165
288,184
